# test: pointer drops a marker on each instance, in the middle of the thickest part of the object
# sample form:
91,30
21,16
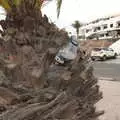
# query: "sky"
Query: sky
82,10
2,13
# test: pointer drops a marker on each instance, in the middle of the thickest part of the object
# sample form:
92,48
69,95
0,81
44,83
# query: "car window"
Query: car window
106,49
97,49
111,49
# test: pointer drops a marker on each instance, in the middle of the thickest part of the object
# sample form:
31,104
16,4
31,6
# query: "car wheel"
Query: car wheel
93,59
104,58
114,57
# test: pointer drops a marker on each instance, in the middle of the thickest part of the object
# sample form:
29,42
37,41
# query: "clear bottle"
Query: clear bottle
69,52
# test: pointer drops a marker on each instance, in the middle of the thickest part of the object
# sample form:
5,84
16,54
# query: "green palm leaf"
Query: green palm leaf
5,4
16,2
38,4
59,3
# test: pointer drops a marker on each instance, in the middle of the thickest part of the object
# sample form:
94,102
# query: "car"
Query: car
102,53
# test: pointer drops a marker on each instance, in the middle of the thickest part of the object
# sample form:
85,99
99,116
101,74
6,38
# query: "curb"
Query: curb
108,79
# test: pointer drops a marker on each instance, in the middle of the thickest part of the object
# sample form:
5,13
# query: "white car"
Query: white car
102,53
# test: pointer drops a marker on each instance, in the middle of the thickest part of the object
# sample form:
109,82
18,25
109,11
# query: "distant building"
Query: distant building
100,29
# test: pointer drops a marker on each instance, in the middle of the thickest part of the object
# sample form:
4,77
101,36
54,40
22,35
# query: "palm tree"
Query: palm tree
77,26
43,90
19,10
25,25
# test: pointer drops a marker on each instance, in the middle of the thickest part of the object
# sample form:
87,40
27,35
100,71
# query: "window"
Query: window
87,30
98,28
110,49
106,49
118,24
107,34
105,27
94,30
97,49
101,35
111,25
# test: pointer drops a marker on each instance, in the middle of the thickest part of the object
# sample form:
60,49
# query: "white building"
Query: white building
104,28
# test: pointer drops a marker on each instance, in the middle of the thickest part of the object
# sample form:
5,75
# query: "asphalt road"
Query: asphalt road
109,70
111,100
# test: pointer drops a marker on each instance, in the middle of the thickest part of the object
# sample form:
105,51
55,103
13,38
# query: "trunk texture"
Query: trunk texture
35,88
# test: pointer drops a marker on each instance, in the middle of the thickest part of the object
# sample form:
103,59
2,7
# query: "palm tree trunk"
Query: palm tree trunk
45,91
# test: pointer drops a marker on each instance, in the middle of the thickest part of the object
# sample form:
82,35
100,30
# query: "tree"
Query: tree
77,26
31,83
19,10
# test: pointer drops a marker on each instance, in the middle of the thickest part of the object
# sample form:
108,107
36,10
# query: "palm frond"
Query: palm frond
39,3
16,2
5,4
8,4
59,3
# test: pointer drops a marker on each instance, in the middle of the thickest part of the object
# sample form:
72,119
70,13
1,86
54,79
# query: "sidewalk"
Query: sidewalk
111,100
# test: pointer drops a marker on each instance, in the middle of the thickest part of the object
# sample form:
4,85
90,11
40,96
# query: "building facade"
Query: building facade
104,28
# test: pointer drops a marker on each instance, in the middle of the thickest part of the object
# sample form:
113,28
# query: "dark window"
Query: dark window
87,31
110,49
105,49
105,27
107,34
118,24
102,35
97,49
111,25
98,28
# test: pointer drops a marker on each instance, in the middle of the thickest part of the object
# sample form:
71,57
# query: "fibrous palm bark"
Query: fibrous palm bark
40,89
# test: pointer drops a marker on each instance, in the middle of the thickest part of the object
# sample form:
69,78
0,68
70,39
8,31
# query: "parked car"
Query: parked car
102,53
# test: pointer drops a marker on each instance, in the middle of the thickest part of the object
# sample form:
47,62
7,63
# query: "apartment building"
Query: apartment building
104,28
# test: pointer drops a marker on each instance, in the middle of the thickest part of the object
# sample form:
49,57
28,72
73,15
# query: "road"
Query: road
111,100
109,69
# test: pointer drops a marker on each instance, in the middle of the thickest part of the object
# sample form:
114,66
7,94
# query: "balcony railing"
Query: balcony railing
101,31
